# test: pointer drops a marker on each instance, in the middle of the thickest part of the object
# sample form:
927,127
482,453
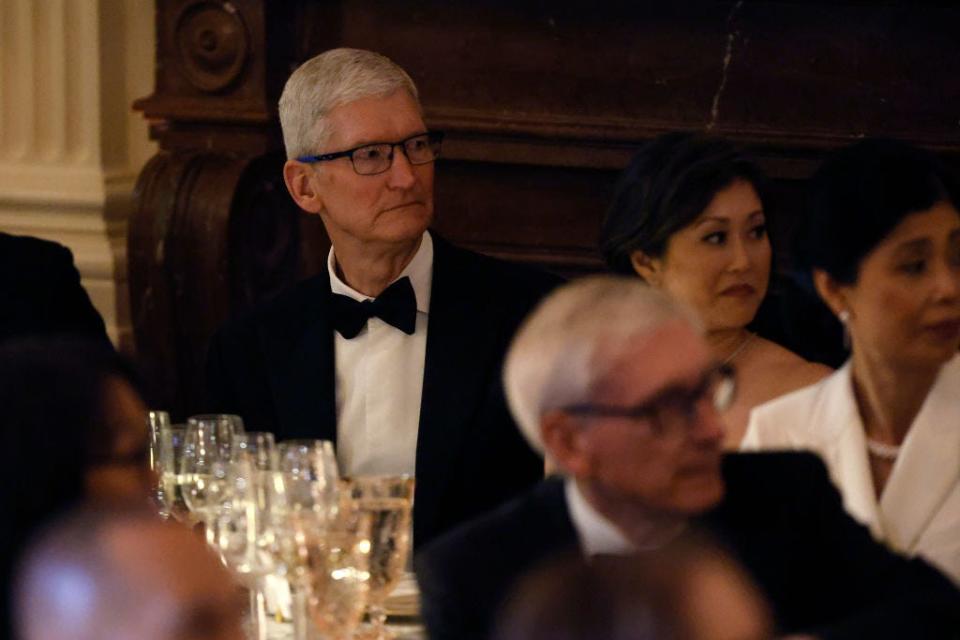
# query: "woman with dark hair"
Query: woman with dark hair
688,218
73,428
882,237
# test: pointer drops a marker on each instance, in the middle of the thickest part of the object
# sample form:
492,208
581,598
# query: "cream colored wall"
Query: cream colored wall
70,145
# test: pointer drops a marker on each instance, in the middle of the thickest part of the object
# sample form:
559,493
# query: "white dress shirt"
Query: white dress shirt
380,380
596,534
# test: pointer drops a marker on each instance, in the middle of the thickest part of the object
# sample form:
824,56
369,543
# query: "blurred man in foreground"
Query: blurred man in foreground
688,591
615,383
115,573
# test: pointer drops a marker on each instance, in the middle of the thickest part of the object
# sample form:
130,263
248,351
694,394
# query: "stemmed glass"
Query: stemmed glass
205,463
308,492
314,478
388,500
156,422
334,561
168,466
242,531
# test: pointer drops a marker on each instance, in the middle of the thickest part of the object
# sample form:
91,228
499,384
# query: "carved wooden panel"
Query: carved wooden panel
543,103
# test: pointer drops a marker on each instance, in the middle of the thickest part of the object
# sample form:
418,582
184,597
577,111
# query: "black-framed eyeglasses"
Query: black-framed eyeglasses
377,157
674,407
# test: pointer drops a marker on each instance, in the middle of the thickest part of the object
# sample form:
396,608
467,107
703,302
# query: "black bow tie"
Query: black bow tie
396,306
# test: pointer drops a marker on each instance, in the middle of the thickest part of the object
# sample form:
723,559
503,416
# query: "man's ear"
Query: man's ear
830,291
566,442
647,267
298,177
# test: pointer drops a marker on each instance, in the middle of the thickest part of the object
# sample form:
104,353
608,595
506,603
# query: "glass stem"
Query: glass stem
208,533
378,617
299,612
258,614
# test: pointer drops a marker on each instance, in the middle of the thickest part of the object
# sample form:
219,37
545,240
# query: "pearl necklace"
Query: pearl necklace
743,345
883,450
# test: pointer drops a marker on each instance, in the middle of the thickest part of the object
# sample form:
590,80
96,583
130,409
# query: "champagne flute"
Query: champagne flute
388,500
156,422
169,459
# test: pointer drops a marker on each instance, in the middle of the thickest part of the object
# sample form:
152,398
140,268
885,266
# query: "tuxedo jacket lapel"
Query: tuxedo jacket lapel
298,346
462,329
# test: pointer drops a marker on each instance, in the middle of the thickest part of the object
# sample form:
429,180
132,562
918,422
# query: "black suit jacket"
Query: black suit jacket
781,518
41,294
275,368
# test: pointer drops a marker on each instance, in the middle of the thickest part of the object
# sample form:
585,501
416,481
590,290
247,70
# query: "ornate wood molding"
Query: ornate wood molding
543,104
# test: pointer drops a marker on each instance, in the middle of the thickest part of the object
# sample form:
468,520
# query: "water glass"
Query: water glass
388,500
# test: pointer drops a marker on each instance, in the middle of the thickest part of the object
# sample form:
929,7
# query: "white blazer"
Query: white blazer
919,510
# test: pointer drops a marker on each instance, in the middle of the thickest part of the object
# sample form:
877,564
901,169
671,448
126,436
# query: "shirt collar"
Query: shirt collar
597,535
419,270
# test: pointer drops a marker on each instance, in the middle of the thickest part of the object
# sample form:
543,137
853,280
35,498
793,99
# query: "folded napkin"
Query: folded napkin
404,600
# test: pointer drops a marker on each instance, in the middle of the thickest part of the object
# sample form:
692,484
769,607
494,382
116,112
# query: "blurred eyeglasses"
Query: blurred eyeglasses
674,409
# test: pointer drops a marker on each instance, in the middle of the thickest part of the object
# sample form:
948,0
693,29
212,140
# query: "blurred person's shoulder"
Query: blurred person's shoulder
543,506
770,477
28,252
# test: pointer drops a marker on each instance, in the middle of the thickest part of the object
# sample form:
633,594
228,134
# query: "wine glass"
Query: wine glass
259,447
242,531
205,463
309,484
388,500
313,477
227,424
334,560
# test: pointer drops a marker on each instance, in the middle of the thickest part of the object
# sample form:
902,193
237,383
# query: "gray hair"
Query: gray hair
560,351
326,81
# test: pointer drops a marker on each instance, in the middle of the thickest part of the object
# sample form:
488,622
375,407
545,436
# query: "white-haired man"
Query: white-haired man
615,382
394,352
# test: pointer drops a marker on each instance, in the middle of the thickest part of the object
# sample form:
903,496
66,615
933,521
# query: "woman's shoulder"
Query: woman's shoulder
784,370
798,389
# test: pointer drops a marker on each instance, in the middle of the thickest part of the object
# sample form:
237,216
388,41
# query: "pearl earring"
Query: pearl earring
844,317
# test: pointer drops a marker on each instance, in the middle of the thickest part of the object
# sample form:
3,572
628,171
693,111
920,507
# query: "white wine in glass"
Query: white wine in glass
388,500
335,558
170,452
242,531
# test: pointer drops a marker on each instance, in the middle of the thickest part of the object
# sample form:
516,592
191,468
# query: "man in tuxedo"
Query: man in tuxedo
615,382
41,294
395,351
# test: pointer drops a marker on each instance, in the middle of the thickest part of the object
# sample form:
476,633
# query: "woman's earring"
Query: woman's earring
844,317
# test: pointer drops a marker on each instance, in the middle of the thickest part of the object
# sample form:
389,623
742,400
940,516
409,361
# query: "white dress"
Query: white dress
919,510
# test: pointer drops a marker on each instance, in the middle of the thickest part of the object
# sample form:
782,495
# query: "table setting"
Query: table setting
323,557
